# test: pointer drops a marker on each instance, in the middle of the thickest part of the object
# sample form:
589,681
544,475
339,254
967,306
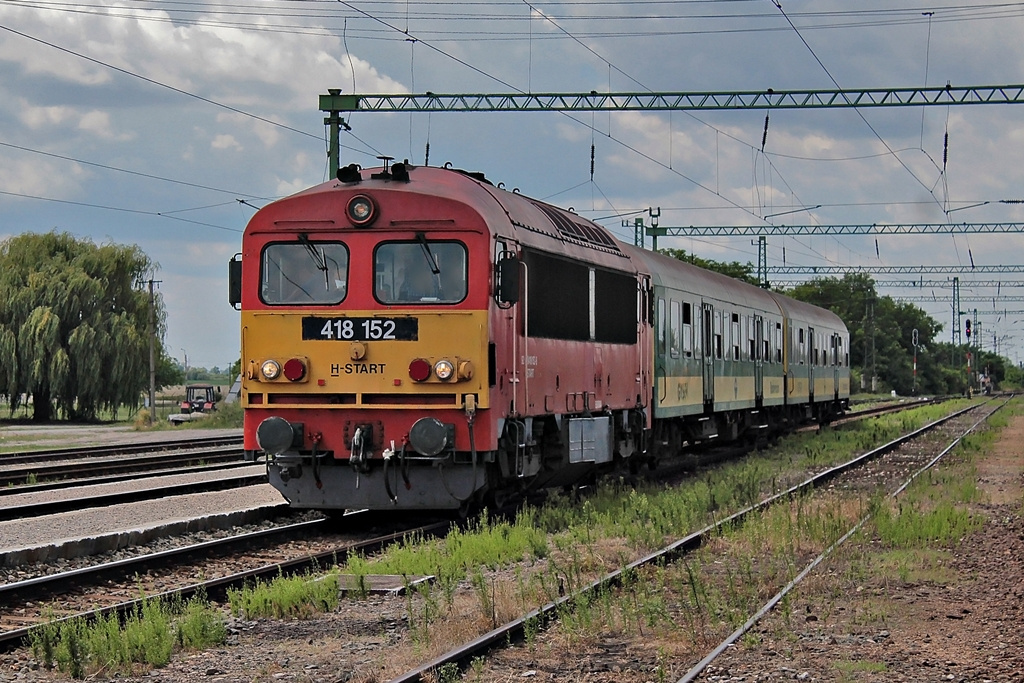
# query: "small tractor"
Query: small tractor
199,400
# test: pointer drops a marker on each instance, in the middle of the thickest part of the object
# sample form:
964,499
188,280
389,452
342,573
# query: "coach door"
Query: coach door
758,358
835,367
708,337
812,360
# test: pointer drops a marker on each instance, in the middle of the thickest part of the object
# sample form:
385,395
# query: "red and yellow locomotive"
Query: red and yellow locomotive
417,338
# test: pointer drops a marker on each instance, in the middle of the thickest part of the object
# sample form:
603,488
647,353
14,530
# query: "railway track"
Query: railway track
545,616
59,467
48,454
510,632
100,590
18,503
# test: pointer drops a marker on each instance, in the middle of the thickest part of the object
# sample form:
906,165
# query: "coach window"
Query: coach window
687,329
718,335
420,272
661,327
735,336
304,273
673,328
751,342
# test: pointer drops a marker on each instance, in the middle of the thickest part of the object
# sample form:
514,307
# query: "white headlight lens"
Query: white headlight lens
444,369
270,369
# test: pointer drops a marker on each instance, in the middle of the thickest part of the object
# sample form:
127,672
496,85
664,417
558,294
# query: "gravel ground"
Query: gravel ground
965,624
967,627
133,522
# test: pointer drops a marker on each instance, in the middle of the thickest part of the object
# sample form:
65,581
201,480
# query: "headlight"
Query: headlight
270,369
361,210
444,369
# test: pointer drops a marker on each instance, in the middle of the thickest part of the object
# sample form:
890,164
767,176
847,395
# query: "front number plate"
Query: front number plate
360,329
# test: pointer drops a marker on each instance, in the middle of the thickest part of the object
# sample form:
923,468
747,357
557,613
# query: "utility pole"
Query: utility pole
762,262
874,373
152,350
914,340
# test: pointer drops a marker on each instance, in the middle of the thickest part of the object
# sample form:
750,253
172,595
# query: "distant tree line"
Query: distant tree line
881,334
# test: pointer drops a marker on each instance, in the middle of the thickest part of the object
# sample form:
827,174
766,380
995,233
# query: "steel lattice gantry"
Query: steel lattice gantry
857,229
335,103
1004,312
971,299
839,271
919,284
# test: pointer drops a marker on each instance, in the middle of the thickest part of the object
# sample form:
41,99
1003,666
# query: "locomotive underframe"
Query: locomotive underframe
533,452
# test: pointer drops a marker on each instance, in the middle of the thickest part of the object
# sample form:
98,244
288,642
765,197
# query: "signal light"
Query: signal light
294,369
419,370
968,328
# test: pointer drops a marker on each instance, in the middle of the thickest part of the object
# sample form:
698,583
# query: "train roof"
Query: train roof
809,313
533,223
677,274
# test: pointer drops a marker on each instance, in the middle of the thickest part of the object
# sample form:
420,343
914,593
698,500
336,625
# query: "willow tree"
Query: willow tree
73,324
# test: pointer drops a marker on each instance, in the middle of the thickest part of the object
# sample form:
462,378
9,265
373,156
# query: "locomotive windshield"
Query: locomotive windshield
420,271
304,272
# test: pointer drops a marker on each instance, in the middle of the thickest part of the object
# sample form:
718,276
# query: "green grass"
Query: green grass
286,597
145,639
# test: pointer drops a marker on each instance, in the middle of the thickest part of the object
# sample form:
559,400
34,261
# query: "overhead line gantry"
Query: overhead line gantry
335,103
676,101
919,284
834,271
855,229
971,299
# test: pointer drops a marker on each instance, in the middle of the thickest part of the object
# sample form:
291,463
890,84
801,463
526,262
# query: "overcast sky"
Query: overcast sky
165,122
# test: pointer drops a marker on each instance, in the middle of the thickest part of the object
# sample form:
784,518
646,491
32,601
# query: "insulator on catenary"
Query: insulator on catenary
426,156
764,136
945,150
591,161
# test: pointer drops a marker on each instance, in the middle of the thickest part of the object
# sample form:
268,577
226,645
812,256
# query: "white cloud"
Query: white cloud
225,142
268,139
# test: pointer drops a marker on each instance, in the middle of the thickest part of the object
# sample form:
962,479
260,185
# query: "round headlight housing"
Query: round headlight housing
361,210
444,369
270,369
